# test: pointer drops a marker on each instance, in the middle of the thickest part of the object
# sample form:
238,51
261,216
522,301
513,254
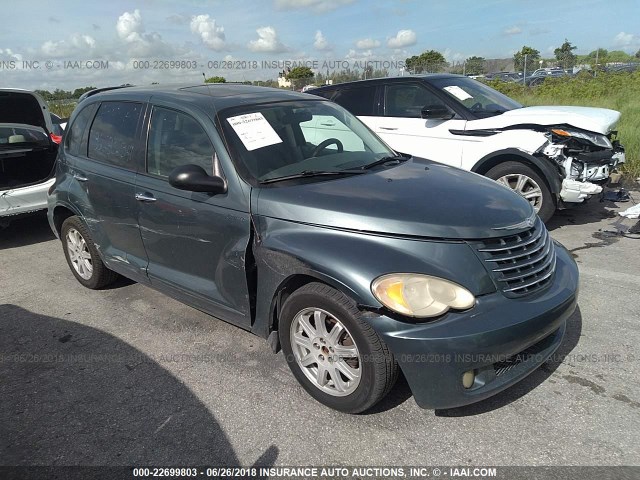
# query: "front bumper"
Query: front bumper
502,340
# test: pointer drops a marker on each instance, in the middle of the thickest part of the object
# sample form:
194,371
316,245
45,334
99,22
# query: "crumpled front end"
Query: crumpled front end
586,160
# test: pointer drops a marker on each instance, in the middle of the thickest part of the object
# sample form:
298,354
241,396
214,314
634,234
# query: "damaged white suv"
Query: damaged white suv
549,155
28,148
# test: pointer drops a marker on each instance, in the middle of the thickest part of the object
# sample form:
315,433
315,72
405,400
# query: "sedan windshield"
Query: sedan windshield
477,97
300,139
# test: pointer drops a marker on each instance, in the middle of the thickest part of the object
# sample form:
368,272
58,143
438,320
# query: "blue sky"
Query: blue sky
122,31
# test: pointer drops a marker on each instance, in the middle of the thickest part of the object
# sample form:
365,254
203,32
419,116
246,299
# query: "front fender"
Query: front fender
544,165
349,261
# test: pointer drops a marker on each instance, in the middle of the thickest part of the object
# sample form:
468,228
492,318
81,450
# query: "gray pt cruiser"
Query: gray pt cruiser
283,214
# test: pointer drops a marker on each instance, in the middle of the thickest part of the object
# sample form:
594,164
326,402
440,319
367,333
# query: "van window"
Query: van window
408,99
112,135
176,139
359,101
73,139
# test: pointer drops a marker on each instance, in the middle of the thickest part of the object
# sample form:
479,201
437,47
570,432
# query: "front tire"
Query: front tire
526,182
82,255
335,355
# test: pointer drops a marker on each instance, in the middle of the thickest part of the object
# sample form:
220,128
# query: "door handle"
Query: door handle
328,124
145,197
388,128
79,177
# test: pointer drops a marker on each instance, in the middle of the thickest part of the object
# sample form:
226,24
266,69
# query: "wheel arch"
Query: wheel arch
540,164
60,214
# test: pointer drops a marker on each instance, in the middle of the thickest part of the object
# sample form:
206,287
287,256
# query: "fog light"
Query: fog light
468,378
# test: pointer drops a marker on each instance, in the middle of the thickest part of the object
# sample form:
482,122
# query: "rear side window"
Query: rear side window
74,136
176,139
359,101
112,135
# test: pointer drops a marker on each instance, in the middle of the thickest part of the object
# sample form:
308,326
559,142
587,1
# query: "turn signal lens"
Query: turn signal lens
562,133
420,296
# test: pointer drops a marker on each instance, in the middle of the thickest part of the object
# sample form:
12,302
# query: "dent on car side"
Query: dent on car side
248,249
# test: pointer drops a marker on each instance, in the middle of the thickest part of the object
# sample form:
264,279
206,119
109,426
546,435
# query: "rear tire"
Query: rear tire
526,182
82,255
337,357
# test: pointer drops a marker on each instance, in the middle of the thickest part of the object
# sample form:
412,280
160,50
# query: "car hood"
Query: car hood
417,198
600,120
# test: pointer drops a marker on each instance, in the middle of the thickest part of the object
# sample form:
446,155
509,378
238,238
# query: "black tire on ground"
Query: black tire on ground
379,369
101,276
549,200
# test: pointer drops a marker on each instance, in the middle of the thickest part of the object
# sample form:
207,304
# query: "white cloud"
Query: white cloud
76,44
359,56
318,6
320,42
404,38
8,54
130,27
515,30
630,42
178,19
131,31
211,34
267,42
453,57
367,43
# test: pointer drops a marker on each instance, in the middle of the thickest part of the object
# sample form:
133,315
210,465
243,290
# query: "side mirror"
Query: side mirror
439,112
194,179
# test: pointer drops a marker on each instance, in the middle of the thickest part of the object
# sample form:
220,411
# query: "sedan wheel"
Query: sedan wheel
325,351
82,255
79,254
528,183
333,351
525,186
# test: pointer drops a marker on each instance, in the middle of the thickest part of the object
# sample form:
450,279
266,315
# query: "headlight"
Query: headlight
420,296
595,138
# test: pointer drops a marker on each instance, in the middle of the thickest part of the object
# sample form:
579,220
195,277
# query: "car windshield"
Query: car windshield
482,100
300,138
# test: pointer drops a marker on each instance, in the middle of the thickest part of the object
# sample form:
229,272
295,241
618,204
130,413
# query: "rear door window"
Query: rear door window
176,139
359,100
113,133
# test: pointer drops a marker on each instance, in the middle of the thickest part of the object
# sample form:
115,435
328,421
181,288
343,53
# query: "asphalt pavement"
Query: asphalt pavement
129,376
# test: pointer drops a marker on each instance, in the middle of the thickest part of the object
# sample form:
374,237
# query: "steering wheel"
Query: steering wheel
476,106
325,143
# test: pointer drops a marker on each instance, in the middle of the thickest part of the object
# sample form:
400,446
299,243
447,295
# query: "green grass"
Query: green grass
619,91
60,109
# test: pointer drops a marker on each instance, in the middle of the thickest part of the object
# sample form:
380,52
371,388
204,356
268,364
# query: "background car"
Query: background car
549,155
28,148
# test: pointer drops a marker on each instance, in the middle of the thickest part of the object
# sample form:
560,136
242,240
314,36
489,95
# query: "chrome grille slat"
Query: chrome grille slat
530,284
526,262
518,255
524,244
521,264
545,264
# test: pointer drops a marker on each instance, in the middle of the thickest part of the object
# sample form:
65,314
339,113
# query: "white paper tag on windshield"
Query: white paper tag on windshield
457,92
254,130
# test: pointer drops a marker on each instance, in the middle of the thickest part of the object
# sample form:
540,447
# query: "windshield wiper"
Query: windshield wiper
383,160
311,173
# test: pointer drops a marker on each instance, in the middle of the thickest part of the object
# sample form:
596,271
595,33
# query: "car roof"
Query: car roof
223,95
422,76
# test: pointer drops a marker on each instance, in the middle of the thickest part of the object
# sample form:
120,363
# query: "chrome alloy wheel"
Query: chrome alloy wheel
524,186
325,352
79,254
